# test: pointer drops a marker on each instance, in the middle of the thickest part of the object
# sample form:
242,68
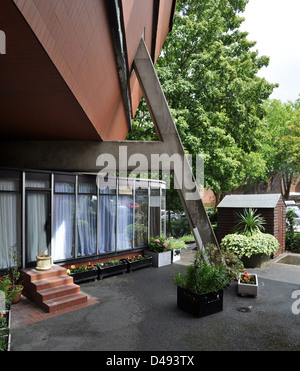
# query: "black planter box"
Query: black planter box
137,264
200,305
112,270
84,276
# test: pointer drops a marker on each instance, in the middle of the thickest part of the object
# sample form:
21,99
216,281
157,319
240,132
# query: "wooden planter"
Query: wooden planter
112,270
160,259
84,276
248,289
137,264
199,305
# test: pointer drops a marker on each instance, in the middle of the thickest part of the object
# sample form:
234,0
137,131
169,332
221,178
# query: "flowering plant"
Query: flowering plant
137,258
109,263
158,244
83,268
247,278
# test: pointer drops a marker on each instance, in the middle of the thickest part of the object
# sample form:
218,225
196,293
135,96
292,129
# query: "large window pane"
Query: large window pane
125,222
155,214
37,223
141,218
107,224
10,226
87,225
63,226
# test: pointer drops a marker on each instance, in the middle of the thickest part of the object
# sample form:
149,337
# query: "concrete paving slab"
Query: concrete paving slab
137,312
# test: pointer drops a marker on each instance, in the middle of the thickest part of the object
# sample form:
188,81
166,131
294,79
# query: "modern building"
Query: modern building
67,76
70,83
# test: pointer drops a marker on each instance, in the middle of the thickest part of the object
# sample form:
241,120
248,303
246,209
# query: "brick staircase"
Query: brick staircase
53,290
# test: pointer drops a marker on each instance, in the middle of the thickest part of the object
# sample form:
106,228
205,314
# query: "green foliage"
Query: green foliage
258,243
208,72
201,277
158,244
233,264
280,141
249,223
180,227
174,243
292,239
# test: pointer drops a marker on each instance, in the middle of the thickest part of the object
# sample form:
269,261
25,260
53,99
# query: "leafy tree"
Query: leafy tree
280,142
208,71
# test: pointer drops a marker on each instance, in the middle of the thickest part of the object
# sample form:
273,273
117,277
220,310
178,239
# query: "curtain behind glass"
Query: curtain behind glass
87,225
37,211
141,218
125,222
63,226
107,223
10,226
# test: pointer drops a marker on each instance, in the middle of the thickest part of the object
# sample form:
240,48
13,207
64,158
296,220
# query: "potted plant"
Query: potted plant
175,245
83,273
138,261
200,289
248,284
111,267
15,289
5,331
254,251
43,261
159,251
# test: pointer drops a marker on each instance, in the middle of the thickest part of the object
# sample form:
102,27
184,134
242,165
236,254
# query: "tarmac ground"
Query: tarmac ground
138,312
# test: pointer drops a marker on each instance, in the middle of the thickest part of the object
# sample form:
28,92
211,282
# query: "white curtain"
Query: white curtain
63,223
10,225
125,222
37,210
107,223
87,225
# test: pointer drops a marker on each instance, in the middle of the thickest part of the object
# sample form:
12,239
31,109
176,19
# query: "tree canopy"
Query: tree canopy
208,71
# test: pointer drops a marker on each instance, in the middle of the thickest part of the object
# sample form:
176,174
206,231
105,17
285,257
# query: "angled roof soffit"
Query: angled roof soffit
114,10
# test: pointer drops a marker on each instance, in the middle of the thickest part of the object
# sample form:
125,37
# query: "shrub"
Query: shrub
249,223
201,277
258,243
158,244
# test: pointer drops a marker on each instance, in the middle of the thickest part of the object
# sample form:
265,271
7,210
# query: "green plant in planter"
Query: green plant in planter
202,277
232,262
258,243
158,245
174,244
249,223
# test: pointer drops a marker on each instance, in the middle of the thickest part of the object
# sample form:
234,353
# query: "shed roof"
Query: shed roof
250,201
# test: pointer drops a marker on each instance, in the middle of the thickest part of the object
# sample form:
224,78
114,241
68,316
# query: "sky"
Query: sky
275,26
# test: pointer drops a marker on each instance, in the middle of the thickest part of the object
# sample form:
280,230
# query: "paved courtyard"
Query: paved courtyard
137,312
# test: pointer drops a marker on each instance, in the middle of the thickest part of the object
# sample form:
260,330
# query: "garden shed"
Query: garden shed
270,206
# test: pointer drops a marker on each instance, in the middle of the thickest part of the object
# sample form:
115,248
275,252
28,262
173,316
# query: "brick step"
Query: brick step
53,305
58,291
53,290
52,282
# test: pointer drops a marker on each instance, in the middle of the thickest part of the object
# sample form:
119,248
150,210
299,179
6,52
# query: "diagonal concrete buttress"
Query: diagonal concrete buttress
168,134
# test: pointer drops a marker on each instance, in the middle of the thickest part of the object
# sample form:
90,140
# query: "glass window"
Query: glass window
125,222
64,218
107,223
87,219
155,214
141,217
10,226
10,216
